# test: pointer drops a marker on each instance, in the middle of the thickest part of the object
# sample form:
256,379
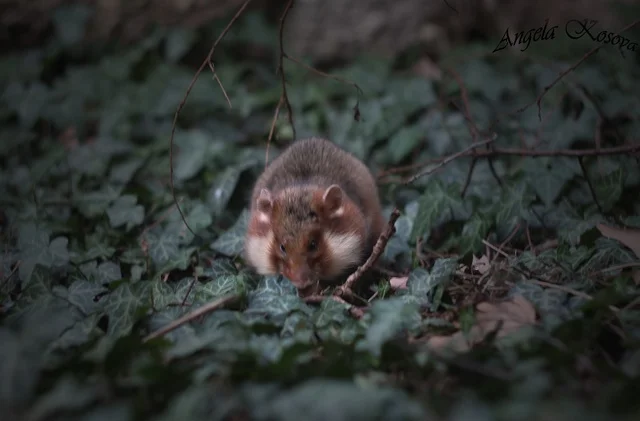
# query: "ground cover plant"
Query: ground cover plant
509,288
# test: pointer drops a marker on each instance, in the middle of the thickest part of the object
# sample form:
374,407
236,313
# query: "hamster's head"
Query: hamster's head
308,234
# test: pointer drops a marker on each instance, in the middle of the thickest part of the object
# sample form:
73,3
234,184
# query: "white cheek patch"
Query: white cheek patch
345,250
258,250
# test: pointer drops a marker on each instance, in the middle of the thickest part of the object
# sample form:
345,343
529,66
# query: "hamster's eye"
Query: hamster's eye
312,245
282,249
313,215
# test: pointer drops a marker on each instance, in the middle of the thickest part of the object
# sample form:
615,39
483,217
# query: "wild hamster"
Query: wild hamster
315,214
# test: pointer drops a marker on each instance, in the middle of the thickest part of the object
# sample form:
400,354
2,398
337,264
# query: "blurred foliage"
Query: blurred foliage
95,255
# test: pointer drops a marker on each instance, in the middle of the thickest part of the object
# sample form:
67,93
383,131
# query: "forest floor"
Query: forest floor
509,290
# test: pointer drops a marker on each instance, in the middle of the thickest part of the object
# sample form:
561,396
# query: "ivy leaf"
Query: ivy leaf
399,243
36,248
231,243
388,318
125,211
512,207
198,218
107,272
125,306
220,267
39,285
570,224
163,245
224,285
95,203
331,313
421,282
548,176
274,296
82,294
473,232
403,142
221,191
180,261
123,172
435,206
192,153
93,158
608,252
608,188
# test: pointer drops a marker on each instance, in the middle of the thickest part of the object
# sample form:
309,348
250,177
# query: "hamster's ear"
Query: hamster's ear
265,202
332,200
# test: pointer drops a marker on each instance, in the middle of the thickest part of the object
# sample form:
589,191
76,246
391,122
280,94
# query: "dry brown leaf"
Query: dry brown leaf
513,314
399,282
481,265
628,237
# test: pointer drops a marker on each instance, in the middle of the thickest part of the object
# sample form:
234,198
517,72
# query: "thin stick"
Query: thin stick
205,63
217,79
547,88
450,158
13,271
390,229
356,312
205,309
549,284
273,126
281,66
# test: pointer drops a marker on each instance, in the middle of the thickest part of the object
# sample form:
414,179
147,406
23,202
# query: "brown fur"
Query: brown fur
301,210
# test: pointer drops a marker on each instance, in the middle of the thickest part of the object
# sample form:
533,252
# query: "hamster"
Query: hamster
315,214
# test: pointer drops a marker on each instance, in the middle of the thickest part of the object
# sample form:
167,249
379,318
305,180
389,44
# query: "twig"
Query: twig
469,175
622,266
547,88
591,189
465,151
494,173
548,284
273,126
191,284
281,65
205,309
356,312
603,116
510,236
217,79
473,129
206,62
13,271
531,246
617,150
632,304
390,229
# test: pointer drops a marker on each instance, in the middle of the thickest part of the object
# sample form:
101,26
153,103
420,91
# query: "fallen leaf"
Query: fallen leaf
399,282
481,265
628,237
513,314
